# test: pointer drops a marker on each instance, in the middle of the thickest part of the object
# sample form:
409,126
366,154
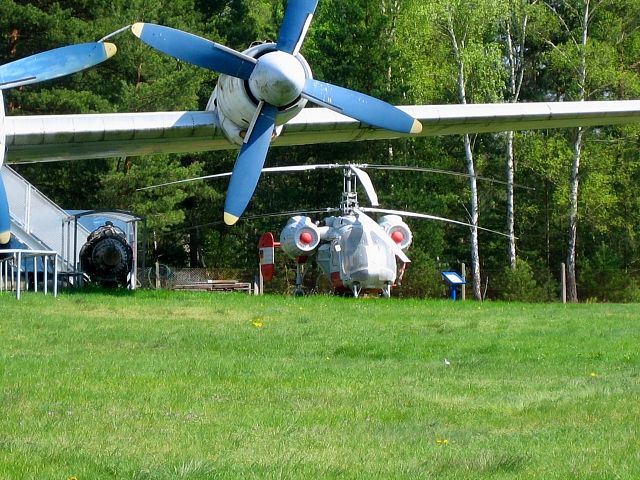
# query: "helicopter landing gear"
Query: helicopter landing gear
299,292
356,289
386,291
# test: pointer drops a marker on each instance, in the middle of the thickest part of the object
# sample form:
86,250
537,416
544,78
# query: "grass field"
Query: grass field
160,386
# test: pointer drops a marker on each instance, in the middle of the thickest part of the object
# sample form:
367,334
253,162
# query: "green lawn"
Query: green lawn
161,386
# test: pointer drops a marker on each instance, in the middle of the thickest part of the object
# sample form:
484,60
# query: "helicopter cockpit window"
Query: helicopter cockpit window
380,252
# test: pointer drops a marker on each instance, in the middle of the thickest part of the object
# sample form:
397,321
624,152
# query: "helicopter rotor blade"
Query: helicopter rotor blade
360,166
429,217
292,168
259,216
436,170
366,183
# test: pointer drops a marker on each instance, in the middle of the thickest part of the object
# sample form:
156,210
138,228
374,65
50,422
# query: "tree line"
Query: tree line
570,194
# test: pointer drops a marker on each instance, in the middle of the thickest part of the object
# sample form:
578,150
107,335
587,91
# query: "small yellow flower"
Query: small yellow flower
442,441
257,324
73,478
594,374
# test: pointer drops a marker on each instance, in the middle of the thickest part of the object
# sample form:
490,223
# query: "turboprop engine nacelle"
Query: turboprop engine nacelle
397,230
236,105
299,237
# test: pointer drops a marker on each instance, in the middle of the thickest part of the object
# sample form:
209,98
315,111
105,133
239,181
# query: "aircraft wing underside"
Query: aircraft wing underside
73,137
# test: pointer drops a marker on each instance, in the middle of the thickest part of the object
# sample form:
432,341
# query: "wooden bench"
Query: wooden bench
215,286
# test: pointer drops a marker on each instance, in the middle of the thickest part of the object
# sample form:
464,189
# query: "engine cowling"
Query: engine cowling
299,237
236,105
397,230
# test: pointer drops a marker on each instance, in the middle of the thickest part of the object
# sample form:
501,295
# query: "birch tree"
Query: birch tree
515,35
469,28
574,52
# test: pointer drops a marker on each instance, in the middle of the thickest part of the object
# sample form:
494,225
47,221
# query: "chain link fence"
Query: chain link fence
527,285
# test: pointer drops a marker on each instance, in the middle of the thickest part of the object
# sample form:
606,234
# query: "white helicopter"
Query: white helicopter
355,253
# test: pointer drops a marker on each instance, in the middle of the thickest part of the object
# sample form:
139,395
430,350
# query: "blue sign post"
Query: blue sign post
454,280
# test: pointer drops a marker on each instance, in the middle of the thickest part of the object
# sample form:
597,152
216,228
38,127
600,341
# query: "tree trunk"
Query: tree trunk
574,181
515,56
468,152
572,287
195,259
511,201
475,248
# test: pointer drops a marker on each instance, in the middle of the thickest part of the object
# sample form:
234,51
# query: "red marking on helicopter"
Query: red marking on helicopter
306,238
397,236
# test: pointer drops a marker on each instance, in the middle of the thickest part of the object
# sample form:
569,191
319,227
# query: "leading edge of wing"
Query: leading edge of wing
50,138
319,125
71,137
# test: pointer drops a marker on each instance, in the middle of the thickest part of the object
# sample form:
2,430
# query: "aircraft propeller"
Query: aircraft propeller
5,222
54,63
39,68
275,79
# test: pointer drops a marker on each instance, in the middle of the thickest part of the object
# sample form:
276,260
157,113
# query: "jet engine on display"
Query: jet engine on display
107,257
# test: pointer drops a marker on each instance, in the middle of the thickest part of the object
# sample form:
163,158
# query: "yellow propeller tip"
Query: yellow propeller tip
110,49
230,219
5,237
416,128
136,28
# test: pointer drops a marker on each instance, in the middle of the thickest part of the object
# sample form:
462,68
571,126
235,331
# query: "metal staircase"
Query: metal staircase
40,224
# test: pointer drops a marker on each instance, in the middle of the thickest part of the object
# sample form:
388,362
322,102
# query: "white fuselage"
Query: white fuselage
356,258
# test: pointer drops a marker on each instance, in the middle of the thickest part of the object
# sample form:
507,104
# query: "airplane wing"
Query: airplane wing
73,137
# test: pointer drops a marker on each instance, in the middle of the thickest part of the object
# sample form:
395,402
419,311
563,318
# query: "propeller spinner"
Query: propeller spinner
275,79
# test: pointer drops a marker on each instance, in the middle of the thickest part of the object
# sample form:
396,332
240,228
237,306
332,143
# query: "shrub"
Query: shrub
520,285
422,277
603,278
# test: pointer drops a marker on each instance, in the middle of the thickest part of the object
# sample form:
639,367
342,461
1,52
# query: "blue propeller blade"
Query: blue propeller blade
246,171
5,224
195,50
39,68
297,18
54,63
360,106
